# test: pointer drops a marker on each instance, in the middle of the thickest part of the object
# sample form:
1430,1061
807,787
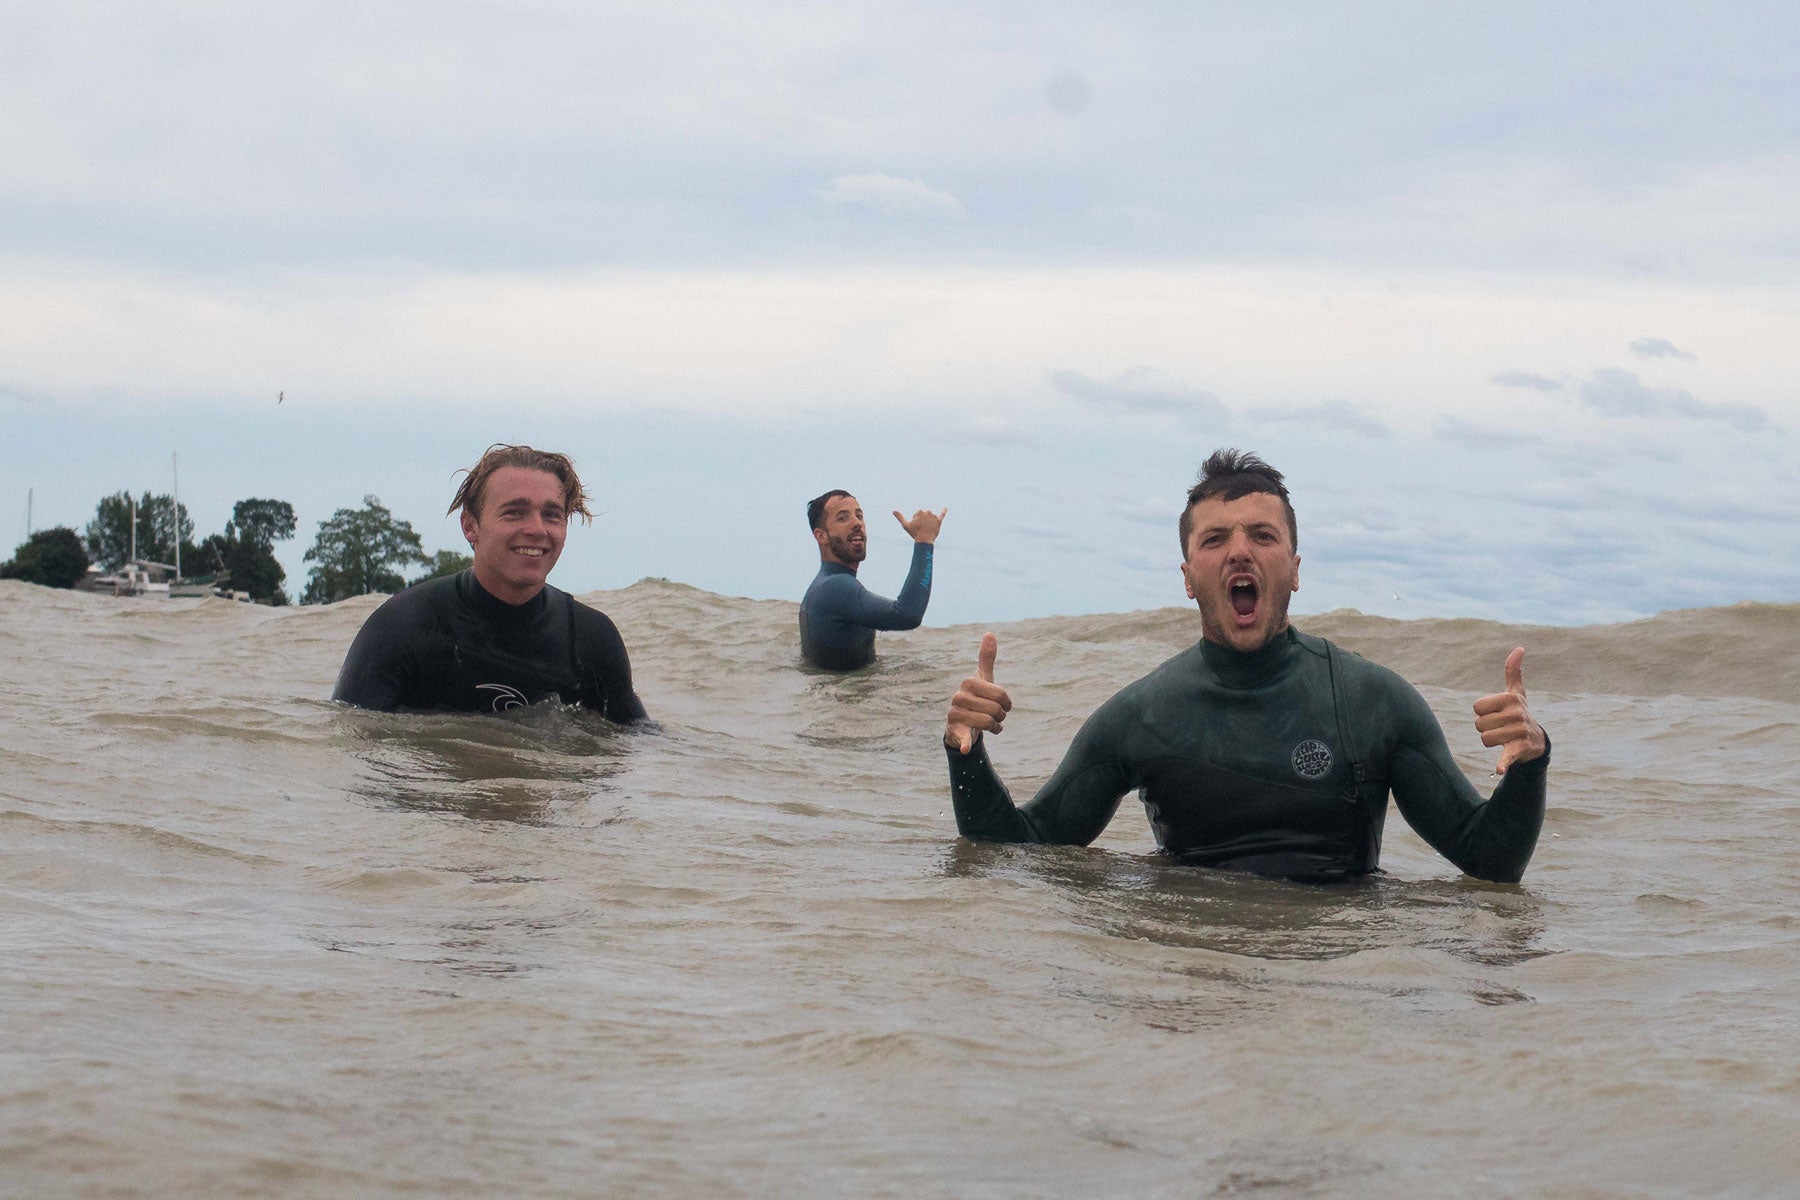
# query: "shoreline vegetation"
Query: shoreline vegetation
144,545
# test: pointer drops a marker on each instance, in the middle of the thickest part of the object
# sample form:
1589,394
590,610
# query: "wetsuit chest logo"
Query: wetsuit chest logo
505,697
1311,759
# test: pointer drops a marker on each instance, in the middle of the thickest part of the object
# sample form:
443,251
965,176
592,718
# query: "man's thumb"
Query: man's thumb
1515,671
990,650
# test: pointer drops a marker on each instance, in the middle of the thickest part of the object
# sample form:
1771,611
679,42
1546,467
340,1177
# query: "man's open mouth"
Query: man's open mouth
1242,593
531,551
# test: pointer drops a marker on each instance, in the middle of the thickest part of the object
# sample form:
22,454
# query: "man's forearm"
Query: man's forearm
1497,841
915,593
984,808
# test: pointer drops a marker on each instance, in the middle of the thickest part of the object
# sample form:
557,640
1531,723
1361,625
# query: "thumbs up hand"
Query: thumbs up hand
1503,720
980,703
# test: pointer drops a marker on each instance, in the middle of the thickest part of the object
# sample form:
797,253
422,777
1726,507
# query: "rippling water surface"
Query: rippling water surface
256,945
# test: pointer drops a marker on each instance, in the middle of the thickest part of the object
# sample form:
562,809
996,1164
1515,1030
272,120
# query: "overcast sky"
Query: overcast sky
1512,297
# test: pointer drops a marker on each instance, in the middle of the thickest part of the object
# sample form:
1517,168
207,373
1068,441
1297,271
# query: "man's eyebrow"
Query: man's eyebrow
1258,524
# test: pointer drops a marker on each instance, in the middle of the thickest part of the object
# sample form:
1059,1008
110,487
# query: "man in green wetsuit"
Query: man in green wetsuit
1261,748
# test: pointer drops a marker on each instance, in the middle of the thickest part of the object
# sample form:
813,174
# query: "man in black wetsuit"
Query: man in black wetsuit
839,617
1262,749
497,636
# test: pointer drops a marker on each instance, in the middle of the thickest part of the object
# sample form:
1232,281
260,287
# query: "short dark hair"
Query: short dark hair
1232,474
500,454
815,508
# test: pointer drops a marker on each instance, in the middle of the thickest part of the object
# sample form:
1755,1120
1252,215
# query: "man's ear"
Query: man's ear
1186,582
1296,572
468,527
821,537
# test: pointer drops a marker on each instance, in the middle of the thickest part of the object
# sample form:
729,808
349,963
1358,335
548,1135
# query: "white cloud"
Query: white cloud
1619,393
1327,416
891,197
1480,437
1142,390
1524,379
1654,347
991,430
996,342
1069,93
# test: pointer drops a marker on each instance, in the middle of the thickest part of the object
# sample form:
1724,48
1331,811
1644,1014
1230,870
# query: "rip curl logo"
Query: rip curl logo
504,697
1312,759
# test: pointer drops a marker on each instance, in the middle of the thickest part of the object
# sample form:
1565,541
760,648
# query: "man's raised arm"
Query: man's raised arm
1491,839
1071,809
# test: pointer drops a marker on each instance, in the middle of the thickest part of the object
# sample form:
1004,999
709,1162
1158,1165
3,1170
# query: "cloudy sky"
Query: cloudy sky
1512,297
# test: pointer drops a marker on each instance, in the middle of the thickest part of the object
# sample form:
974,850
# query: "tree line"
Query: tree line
358,550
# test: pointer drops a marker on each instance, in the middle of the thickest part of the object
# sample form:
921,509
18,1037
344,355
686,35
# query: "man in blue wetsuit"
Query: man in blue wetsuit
497,636
839,617
1260,748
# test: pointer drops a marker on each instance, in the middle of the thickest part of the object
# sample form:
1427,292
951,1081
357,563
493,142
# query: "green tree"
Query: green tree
444,562
243,557
264,522
356,551
160,520
52,557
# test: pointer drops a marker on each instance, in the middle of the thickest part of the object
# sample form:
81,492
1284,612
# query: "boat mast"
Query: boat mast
175,472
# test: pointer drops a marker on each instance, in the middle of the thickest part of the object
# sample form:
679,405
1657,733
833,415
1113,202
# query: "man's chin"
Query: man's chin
1245,639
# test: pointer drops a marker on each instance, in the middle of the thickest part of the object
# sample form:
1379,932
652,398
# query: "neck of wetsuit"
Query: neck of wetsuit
492,608
1241,669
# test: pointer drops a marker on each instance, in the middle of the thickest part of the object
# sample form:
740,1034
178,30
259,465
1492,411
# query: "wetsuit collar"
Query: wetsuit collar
1237,669
491,608
827,567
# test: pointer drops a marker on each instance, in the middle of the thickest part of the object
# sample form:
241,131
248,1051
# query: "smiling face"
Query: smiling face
519,533
1241,568
844,538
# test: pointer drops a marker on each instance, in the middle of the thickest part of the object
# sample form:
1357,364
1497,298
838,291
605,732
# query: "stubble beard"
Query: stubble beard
843,551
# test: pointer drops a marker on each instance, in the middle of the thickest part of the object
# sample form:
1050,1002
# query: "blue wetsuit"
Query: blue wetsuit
839,616
1278,762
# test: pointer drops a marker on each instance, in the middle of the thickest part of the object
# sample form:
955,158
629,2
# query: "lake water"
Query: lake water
257,945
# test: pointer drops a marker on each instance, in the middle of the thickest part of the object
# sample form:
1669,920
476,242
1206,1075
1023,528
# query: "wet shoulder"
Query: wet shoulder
839,587
589,621
419,603
1175,676
1367,684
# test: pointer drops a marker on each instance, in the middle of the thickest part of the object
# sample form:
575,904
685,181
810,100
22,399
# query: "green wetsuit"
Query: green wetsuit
1279,762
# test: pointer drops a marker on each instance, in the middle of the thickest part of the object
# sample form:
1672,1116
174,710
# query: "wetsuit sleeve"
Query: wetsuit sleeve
380,670
1072,809
1491,839
863,607
613,695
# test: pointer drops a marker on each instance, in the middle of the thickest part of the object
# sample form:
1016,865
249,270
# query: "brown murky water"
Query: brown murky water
255,945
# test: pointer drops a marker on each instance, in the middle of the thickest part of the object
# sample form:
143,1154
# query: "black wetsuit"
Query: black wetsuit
450,644
1278,762
839,616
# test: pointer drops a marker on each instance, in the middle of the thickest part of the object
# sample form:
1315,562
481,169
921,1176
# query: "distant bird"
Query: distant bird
280,396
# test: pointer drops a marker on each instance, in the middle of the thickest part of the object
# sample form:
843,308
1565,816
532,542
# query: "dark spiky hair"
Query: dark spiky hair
1232,474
